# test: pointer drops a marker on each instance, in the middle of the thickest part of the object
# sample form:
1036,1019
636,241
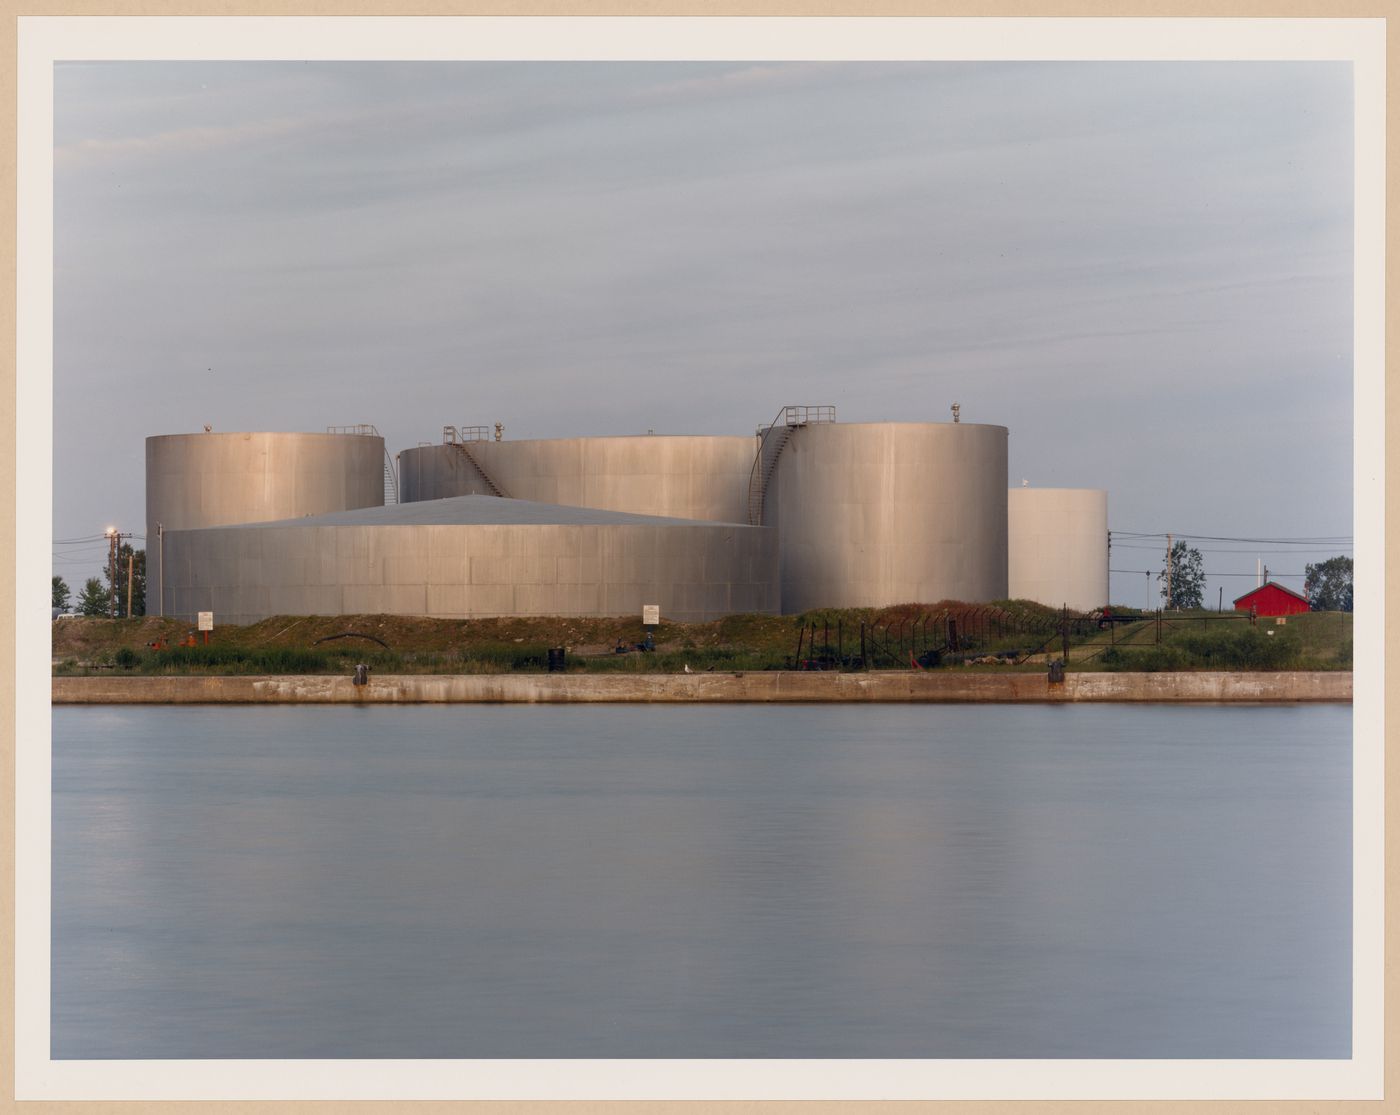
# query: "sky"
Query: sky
1143,270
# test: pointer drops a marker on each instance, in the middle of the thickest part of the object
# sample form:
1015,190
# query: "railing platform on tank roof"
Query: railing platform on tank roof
806,415
453,435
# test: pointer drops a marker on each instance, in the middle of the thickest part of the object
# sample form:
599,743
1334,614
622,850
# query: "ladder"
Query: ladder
391,480
771,440
459,440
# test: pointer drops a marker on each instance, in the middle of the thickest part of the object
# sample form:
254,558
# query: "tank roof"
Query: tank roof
200,434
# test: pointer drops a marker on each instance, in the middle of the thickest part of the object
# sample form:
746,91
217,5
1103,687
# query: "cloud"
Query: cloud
180,141
746,80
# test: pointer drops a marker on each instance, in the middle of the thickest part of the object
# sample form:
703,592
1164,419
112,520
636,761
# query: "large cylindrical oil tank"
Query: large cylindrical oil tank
675,476
219,479
1057,546
875,514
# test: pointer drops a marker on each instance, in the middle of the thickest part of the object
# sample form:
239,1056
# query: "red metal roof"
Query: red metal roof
1271,599
1271,584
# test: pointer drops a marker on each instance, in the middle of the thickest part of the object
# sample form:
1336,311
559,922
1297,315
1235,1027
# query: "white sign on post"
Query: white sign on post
651,614
206,621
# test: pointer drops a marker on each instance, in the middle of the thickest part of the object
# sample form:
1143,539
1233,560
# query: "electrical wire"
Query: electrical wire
1313,540
1228,550
1159,572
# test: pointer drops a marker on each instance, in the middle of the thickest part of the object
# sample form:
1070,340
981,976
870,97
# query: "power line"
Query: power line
1149,572
1231,550
1312,540
93,541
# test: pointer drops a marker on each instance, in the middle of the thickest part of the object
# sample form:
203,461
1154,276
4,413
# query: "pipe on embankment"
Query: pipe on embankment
782,686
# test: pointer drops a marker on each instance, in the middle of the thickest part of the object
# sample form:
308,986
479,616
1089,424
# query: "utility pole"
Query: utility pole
1169,570
130,564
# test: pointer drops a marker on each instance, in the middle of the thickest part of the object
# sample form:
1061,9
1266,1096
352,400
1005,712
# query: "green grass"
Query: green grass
291,645
1210,641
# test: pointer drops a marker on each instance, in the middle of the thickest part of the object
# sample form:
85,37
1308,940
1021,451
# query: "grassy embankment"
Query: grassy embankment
1018,636
1205,641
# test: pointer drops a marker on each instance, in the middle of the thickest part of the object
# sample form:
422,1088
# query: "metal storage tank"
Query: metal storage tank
1057,546
213,479
874,514
676,476
472,557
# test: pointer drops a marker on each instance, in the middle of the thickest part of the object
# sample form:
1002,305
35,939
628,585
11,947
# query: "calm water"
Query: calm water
844,881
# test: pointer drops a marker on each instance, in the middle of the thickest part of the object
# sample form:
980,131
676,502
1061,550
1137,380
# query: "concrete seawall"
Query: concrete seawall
947,686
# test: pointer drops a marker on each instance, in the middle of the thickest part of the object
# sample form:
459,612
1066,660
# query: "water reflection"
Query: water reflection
896,881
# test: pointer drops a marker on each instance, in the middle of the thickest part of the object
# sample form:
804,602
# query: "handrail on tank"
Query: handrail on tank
805,415
364,429
451,435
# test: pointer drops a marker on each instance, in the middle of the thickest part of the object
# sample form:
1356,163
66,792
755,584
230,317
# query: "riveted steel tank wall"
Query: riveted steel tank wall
678,476
874,514
694,571
205,480
1057,546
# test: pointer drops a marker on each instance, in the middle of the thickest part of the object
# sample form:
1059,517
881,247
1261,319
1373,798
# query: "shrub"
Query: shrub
1147,660
1247,648
248,660
504,658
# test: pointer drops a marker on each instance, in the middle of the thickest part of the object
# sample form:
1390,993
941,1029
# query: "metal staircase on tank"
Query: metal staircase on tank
391,475
391,480
461,440
771,440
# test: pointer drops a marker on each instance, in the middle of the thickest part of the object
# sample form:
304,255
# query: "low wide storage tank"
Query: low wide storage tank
673,476
209,479
470,557
1058,546
874,514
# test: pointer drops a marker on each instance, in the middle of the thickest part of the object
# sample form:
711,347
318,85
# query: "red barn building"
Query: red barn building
1271,599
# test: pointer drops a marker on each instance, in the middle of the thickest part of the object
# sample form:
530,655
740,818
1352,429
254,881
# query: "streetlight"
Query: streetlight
113,539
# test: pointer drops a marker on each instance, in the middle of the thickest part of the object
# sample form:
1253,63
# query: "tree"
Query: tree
1183,581
94,599
138,581
61,594
1328,585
